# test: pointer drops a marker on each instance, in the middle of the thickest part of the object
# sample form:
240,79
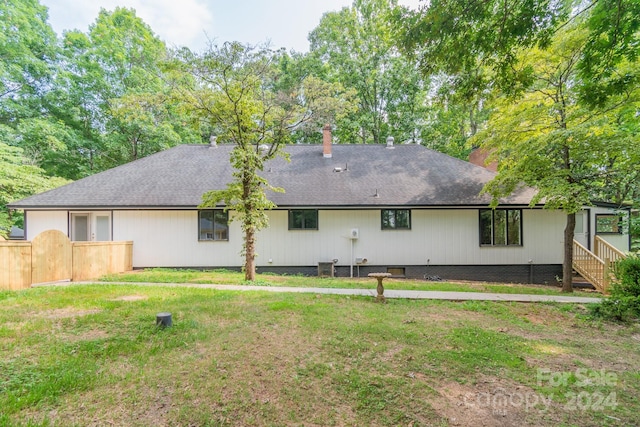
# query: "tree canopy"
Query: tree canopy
18,179
236,92
356,48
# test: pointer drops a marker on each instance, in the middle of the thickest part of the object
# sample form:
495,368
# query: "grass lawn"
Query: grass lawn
92,355
224,277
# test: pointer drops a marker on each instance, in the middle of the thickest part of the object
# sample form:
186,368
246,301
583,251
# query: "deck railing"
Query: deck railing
591,267
596,267
605,251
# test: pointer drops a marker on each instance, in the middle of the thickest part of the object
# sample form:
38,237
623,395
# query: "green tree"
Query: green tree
582,91
29,62
75,100
468,49
357,49
454,115
18,179
27,56
236,93
549,139
457,37
614,37
139,120
113,93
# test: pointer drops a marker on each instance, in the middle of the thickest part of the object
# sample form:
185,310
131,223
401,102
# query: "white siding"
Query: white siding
620,241
445,237
39,221
165,238
170,239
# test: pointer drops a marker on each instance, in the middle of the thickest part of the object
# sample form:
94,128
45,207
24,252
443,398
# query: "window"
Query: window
213,224
501,227
303,219
396,219
608,224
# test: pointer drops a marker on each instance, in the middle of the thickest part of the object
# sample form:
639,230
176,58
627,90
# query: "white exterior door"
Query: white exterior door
581,232
90,227
80,227
101,227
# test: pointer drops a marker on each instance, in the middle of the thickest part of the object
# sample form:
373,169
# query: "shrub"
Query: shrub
634,230
618,308
624,303
628,274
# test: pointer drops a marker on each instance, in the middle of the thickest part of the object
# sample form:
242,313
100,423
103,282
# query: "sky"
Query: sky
193,23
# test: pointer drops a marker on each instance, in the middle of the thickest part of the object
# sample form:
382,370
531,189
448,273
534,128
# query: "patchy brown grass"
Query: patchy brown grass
92,356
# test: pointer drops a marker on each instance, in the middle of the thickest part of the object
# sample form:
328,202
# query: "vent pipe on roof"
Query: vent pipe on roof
390,142
326,141
213,141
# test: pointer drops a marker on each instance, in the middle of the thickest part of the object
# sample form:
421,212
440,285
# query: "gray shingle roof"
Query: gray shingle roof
407,175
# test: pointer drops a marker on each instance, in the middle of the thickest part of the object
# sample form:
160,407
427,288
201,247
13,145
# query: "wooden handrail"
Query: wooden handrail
591,267
605,250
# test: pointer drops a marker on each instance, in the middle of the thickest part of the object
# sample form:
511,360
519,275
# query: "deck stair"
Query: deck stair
597,267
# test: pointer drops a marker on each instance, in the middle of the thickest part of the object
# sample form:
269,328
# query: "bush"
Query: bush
634,230
618,308
628,274
624,303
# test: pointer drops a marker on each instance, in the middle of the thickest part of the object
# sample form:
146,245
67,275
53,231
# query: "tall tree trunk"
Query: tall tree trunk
135,149
249,226
567,264
250,254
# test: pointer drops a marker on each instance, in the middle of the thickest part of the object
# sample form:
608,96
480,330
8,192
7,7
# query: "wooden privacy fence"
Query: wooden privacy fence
51,257
15,265
94,259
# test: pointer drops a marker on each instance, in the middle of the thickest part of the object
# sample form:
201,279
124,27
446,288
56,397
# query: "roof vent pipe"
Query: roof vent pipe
389,142
213,141
326,141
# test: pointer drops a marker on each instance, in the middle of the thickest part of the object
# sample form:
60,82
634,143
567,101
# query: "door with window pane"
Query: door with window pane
581,231
102,228
80,227
91,226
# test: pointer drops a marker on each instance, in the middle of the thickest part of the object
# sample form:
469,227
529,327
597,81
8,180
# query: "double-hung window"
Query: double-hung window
303,219
501,227
213,224
396,219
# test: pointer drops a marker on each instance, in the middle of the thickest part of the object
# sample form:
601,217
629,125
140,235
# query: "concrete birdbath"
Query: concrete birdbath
380,277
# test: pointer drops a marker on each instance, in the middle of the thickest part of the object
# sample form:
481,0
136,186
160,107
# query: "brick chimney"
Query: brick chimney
479,157
326,141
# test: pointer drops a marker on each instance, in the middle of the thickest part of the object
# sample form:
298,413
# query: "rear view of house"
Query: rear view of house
351,209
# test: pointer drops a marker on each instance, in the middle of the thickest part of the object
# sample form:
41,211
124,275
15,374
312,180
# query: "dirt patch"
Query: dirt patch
143,405
130,298
489,402
94,334
66,313
448,316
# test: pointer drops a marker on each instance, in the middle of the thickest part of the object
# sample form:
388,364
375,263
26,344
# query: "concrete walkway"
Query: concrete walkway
388,293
